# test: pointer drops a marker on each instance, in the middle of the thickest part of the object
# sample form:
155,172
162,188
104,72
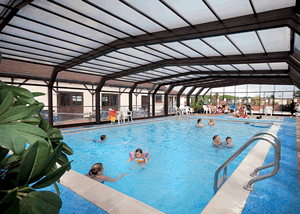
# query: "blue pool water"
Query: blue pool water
179,176
279,194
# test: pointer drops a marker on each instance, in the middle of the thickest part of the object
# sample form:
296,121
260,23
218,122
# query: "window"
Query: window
158,99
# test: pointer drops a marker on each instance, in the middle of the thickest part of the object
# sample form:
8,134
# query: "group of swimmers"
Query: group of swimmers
96,172
210,122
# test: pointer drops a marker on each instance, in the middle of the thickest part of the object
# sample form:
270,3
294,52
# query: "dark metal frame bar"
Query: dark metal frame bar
166,99
179,94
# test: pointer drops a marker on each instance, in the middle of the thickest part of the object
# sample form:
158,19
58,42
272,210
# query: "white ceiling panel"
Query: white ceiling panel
177,69
100,67
201,47
212,67
108,64
167,51
187,90
242,67
109,59
128,58
228,9
248,42
183,49
227,67
159,12
92,69
157,73
260,66
223,45
139,54
275,40
266,5
166,71
279,65
144,48
200,68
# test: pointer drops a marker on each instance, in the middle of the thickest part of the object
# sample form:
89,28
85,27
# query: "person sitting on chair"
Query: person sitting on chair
249,108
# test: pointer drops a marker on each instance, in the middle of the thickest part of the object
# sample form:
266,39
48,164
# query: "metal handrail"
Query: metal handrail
218,183
254,173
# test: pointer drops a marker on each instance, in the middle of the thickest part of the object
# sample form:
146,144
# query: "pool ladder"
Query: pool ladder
248,186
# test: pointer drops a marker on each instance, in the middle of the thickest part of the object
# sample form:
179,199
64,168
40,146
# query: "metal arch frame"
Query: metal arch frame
179,94
189,94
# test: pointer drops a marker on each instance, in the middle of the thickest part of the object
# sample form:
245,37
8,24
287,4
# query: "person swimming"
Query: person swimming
217,141
96,173
139,157
228,142
102,138
199,123
211,122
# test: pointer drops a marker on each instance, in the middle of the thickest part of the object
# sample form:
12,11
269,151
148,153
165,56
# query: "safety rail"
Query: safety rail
277,148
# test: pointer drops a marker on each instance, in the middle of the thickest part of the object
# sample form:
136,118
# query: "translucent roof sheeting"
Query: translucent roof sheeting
167,42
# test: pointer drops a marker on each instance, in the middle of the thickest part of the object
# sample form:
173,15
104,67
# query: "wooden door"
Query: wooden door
145,102
70,102
110,101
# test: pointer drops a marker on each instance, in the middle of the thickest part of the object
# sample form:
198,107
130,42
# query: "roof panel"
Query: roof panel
165,71
31,50
144,48
200,68
121,10
275,40
156,73
260,66
227,67
196,14
109,59
140,54
212,67
177,69
279,65
242,67
100,67
17,21
223,45
228,9
108,64
183,49
91,69
28,60
248,42
187,90
159,12
167,51
201,47
44,39
265,5
48,18
196,90
128,58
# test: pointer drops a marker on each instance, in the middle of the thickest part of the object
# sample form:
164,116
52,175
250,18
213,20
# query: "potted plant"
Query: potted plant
29,150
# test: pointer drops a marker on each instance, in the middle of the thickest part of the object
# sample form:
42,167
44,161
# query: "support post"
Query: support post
50,96
197,94
166,100
179,94
98,89
153,100
189,95
130,96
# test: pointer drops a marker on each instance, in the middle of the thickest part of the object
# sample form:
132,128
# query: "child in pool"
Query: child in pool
228,142
140,158
217,141
211,122
102,138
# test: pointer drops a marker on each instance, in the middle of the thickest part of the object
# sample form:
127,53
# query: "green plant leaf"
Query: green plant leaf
26,100
31,120
28,128
51,178
27,164
56,188
6,99
44,125
17,91
8,199
67,149
63,159
40,202
49,163
56,134
36,94
16,113
11,140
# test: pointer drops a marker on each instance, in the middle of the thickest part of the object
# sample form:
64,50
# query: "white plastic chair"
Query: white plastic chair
192,110
206,109
186,110
178,112
297,111
126,114
268,110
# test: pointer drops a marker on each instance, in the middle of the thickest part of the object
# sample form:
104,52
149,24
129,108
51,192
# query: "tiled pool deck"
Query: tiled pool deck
104,196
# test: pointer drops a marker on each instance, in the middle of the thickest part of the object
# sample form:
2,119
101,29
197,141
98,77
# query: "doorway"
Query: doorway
145,102
110,101
70,102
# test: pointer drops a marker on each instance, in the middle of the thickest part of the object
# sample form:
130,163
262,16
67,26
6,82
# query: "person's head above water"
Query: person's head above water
139,153
216,138
103,137
199,120
228,140
96,168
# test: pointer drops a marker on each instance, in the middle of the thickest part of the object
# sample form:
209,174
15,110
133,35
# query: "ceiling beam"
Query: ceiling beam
264,20
233,59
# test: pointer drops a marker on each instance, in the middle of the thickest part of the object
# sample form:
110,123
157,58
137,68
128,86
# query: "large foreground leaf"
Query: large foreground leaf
11,140
6,100
28,128
16,113
40,202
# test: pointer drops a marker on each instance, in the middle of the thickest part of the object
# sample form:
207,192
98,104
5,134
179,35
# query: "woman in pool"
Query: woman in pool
139,157
199,123
96,174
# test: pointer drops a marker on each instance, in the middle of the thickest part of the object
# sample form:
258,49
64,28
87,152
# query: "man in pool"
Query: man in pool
228,142
102,138
217,141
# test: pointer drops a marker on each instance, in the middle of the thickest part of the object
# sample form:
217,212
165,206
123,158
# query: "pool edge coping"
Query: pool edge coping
119,206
